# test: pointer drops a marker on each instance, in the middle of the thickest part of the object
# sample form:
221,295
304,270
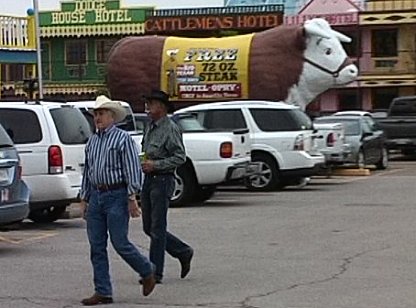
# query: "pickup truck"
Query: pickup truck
400,125
281,137
213,156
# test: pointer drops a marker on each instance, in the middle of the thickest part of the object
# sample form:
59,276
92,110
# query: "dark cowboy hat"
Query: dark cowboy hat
162,97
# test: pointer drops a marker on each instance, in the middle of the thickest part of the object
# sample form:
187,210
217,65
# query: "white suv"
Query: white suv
281,138
50,138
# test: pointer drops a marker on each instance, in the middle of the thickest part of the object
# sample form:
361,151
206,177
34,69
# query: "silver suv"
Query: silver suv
50,138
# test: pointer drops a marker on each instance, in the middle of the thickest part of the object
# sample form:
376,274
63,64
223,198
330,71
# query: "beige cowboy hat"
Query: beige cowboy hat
103,102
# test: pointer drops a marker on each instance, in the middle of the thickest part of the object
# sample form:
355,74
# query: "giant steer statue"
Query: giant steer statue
286,63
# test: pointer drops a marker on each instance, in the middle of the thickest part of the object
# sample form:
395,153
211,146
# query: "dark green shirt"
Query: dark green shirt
162,142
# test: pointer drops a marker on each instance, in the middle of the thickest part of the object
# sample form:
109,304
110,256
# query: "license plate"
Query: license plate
4,175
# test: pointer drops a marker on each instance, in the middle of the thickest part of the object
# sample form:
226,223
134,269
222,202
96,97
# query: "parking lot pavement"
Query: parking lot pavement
72,212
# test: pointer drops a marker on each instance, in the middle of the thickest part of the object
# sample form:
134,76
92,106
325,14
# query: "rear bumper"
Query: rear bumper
337,157
13,212
47,190
303,172
242,170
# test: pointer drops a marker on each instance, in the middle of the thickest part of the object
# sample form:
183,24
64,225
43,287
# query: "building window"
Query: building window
102,49
384,43
349,100
76,52
351,48
382,97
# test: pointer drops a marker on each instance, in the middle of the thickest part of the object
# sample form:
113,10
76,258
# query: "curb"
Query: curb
351,172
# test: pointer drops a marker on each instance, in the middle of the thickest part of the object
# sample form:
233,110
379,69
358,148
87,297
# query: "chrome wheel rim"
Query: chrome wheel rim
263,178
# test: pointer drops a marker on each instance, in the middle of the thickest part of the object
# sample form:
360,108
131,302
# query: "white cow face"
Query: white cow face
326,63
325,55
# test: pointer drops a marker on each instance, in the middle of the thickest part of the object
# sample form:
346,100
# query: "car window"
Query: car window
367,128
12,119
277,120
5,138
371,123
71,125
188,123
403,107
141,122
128,124
228,119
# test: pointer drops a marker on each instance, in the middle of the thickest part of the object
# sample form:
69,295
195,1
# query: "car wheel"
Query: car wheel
361,159
203,193
383,163
185,182
268,177
47,215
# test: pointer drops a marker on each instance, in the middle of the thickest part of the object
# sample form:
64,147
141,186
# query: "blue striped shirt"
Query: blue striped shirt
111,157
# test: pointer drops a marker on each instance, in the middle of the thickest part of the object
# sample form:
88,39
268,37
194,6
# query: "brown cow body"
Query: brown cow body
293,64
275,64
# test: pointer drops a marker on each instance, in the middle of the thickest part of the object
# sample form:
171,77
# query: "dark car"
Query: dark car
14,194
365,140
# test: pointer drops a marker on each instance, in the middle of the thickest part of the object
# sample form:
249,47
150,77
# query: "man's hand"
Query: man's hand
148,166
83,208
134,209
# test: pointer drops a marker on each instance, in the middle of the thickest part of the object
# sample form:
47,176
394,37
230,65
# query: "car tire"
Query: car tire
383,163
203,193
47,215
185,185
268,179
361,159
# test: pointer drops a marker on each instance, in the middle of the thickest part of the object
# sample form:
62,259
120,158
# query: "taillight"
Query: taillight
55,159
299,143
331,139
226,150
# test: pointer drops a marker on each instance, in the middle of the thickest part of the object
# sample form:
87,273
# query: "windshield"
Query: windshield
71,125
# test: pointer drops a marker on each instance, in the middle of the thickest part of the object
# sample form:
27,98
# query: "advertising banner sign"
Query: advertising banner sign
206,69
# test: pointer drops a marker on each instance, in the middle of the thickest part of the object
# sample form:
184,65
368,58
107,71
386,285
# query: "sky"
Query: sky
19,7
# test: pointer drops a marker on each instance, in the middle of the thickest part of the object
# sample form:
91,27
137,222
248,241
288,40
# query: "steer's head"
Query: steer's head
325,58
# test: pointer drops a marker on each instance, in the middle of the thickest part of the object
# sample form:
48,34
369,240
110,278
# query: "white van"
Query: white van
50,138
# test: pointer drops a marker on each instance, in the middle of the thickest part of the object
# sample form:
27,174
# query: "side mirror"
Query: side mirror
367,134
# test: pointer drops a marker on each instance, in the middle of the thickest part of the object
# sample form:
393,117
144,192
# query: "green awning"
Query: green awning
18,56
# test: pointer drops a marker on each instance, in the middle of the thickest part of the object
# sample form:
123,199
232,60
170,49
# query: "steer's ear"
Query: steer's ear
342,37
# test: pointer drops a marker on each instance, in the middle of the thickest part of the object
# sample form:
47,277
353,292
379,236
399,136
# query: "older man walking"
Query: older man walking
111,180
164,152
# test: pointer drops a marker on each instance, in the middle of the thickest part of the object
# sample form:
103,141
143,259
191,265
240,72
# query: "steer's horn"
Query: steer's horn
342,37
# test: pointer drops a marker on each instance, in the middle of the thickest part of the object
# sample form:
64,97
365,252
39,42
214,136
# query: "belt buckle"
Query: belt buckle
102,187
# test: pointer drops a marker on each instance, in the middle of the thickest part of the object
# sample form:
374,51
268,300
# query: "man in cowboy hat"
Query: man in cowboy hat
164,151
110,182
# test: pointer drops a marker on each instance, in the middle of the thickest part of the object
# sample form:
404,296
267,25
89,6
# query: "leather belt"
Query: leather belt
160,173
105,187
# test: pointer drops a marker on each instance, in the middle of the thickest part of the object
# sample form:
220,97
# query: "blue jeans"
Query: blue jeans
155,197
108,213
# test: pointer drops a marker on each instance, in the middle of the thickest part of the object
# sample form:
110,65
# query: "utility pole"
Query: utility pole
38,48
